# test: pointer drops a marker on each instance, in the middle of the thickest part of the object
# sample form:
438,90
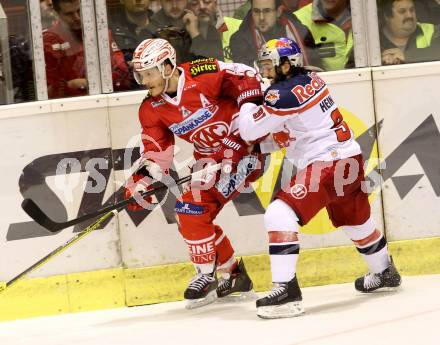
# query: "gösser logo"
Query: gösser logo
298,191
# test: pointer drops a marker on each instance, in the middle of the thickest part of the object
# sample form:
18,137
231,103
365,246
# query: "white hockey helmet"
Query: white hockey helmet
278,48
150,53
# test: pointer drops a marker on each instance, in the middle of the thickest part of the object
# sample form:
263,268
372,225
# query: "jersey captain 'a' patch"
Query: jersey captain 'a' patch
202,66
303,93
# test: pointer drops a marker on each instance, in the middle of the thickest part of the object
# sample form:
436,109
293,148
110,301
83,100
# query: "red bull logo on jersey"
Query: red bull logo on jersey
283,138
272,96
304,93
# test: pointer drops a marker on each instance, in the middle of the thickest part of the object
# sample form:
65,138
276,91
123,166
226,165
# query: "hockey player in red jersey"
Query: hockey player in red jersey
301,116
199,102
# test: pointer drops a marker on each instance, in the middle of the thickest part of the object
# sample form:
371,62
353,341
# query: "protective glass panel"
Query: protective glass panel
16,68
321,28
193,27
66,71
409,31
128,22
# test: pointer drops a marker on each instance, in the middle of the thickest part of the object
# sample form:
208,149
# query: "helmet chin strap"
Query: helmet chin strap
167,78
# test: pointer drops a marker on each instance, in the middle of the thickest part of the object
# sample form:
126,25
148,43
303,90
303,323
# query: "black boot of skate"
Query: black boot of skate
201,290
285,300
370,282
238,286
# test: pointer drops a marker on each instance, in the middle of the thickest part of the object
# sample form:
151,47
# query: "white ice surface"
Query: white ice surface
335,314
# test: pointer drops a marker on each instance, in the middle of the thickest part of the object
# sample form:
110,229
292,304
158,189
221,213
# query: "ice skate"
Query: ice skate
285,300
370,282
237,287
201,291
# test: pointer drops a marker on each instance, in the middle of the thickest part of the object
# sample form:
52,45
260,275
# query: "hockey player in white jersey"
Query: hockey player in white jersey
299,114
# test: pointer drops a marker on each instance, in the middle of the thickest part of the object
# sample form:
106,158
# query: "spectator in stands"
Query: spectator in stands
180,40
154,6
171,14
22,72
129,28
428,11
402,38
64,54
48,15
329,22
203,24
289,6
266,20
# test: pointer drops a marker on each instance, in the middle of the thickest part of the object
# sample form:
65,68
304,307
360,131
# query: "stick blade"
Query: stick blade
35,212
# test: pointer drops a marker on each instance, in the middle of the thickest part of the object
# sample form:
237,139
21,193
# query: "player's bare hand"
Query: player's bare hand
191,23
79,84
393,56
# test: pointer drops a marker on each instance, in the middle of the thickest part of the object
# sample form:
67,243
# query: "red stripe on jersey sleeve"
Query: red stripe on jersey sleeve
313,102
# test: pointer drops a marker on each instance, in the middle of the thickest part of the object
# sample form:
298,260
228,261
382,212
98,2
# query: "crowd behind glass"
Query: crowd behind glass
229,30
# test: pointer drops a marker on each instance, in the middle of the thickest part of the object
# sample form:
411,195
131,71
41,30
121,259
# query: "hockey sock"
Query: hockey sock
283,257
370,243
202,253
281,223
374,250
226,261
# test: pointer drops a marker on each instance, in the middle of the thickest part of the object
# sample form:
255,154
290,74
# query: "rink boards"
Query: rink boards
54,151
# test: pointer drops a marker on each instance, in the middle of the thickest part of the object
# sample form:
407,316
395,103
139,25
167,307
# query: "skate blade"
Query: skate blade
238,297
290,309
197,303
386,289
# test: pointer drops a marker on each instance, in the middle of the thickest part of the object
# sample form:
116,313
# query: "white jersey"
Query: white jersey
302,117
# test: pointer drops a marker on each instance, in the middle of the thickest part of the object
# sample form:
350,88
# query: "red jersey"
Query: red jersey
203,112
65,60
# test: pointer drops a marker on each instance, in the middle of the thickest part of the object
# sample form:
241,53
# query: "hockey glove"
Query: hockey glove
231,151
138,182
249,91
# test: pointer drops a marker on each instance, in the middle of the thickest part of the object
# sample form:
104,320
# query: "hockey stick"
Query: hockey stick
42,261
35,212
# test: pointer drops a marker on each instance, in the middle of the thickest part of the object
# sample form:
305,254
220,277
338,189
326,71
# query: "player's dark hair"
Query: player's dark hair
293,71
